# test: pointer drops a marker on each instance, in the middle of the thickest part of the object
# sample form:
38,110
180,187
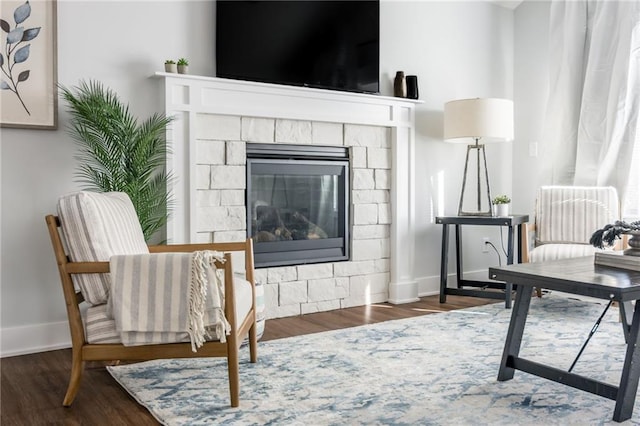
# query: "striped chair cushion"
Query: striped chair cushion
101,328
548,252
97,226
98,327
570,214
243,297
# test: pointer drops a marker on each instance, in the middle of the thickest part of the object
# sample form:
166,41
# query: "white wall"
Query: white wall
457,49
120,44
530,97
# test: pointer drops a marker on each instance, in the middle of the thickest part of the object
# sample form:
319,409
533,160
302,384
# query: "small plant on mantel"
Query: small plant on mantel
501,199
183,66
170,66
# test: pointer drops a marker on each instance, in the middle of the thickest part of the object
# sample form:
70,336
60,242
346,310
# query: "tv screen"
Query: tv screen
324,44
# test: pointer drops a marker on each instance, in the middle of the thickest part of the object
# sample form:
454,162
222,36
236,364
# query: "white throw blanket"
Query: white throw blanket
157,298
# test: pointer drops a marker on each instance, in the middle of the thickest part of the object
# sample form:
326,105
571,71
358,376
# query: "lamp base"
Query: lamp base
479,212
483,213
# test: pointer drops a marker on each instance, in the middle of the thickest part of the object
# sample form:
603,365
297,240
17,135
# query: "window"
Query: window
631,207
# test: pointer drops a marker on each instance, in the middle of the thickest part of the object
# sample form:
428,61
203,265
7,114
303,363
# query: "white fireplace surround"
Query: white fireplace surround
188,97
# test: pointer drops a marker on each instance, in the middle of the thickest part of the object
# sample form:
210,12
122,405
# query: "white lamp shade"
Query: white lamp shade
489,119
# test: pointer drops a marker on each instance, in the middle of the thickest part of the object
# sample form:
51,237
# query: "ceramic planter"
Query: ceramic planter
501,210
634,244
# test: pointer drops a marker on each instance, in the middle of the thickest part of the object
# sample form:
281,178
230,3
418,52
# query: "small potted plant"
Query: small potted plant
501,205
170,66
183,66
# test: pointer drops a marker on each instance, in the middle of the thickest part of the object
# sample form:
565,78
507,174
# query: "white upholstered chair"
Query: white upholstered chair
565,218
97,228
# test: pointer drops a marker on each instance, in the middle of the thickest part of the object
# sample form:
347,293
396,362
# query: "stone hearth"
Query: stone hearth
215,118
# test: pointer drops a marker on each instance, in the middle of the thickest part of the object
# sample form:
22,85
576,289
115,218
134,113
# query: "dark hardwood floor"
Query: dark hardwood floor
32,386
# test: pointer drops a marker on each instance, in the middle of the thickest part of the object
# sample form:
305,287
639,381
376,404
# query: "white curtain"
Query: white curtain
594,96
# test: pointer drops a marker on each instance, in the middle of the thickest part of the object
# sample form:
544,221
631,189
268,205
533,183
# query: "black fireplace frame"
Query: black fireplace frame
301,159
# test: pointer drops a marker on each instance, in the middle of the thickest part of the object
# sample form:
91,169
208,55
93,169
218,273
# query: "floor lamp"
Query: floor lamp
489,120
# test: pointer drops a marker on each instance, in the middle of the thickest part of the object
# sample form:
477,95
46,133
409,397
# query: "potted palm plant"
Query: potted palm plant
116,153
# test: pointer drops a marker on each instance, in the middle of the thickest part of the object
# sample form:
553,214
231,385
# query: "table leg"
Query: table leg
630,373
508,287
626,318
458,256
444,262
520,242
510,246
516,330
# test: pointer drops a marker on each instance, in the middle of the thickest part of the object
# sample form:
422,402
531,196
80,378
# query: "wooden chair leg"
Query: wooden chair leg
77,368
538,291
234,371
253,343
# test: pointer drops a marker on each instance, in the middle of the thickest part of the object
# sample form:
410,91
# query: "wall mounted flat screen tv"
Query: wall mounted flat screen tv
323,44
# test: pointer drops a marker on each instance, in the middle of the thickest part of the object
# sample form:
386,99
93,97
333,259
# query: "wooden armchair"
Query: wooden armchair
100,343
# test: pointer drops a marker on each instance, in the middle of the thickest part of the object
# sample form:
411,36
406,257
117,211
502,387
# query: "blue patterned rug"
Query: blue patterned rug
436,369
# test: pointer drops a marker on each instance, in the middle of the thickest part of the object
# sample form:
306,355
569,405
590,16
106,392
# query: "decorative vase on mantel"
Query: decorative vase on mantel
400,85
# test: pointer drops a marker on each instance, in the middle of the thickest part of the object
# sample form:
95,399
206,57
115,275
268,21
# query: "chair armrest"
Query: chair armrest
87,267
237,246
245,246
526,240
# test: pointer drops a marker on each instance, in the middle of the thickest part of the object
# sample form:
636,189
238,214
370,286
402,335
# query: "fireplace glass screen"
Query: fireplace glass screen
297,206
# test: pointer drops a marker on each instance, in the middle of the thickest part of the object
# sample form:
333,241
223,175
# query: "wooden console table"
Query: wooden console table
576,276
511,222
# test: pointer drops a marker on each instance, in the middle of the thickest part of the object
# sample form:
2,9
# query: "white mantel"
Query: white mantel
188,96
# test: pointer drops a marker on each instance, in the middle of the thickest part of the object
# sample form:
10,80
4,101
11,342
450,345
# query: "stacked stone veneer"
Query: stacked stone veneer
221,212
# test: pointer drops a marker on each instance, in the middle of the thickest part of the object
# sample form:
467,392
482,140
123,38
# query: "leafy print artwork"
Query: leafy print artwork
16,51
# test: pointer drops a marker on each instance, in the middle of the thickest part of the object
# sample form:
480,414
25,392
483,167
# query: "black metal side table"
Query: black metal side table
478,288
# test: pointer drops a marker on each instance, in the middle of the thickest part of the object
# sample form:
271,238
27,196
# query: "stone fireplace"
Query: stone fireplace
219,126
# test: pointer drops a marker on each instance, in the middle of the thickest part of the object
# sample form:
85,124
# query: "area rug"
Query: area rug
437,369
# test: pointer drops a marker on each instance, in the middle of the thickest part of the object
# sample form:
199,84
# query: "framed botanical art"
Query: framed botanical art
28,63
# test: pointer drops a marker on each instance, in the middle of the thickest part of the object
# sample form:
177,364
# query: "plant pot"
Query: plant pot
170,68
183,69
634,244
501,210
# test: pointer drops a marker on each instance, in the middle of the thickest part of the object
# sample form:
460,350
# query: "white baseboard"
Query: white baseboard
34,338
429,286
51,336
